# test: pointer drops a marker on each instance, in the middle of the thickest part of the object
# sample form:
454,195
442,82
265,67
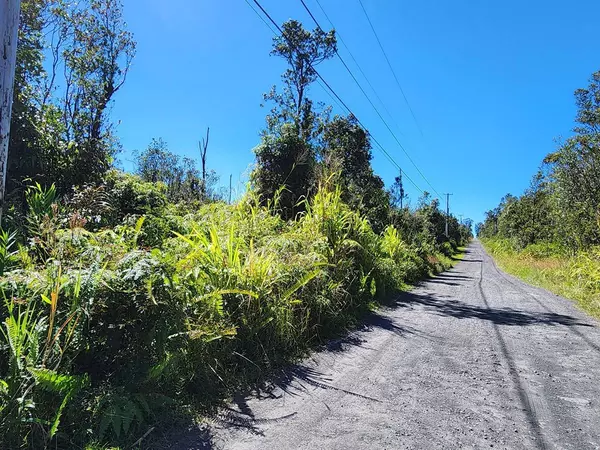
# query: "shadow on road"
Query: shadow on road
193,438
500,316
449,276
301,379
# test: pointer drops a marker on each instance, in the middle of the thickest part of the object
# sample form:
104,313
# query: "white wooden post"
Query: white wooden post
9,30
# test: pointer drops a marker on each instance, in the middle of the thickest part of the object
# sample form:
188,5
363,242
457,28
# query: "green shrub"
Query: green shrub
543,250
447,249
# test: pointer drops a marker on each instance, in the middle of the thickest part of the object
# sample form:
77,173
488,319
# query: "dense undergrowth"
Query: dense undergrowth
574,276
120,308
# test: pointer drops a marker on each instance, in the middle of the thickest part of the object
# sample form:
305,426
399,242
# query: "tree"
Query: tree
203,146
285,158
466,230
397,194
183,181
63,134
478,229
157,163
97,52
285,169
302,50
347,152
575,173
9,28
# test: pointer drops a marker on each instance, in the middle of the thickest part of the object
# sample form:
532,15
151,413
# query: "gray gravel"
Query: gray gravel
473,358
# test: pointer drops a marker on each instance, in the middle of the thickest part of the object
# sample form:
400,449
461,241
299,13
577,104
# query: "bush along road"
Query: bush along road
471,358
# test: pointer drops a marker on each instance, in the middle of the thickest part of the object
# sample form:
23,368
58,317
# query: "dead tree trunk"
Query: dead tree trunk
203,149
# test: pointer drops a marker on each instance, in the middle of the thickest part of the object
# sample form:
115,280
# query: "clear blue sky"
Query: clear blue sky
491,83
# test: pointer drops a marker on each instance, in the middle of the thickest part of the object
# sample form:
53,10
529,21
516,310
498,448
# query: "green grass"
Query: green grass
574,277
458,256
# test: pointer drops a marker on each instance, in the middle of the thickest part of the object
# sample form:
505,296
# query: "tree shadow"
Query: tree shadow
195,437
298,379
500,316
302,379
443,281
449,276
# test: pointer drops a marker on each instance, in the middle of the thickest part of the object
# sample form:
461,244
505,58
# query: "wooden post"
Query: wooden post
9,31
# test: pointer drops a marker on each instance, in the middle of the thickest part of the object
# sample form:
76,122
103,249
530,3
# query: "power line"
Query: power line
347,68
393,162
312,67
341,101
380,147
391,68
261,17
329,94
372,104
357,65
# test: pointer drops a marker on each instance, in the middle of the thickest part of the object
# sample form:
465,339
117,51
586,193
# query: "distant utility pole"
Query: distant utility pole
447,213
9,32
230,175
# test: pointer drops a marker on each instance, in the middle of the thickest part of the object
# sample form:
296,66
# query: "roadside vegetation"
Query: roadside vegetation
576,277
550,235
132,300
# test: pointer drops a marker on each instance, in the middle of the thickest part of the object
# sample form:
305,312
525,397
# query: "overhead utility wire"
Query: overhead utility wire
391,68
261,17
374,107
339,36
331,91
380,147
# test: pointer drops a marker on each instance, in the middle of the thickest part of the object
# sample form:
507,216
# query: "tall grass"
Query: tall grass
576,277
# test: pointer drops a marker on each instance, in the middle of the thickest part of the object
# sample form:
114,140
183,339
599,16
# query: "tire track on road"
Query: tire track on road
571,329
524,399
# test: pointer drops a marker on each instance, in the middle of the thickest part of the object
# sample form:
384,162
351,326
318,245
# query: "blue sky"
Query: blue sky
491,83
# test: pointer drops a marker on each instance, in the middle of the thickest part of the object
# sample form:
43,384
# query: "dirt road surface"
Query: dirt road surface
473,358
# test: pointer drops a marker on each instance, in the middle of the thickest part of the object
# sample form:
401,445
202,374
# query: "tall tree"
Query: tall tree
303,50
285,158
203,146
97,55
64,134
575,170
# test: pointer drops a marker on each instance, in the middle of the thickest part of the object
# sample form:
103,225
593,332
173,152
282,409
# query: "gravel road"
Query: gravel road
473,358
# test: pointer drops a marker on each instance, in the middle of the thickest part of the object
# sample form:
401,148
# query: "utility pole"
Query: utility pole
9,32
230,175
447,213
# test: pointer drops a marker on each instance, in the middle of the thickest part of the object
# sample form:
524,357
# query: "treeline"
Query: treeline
561,208
131,299
550,235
